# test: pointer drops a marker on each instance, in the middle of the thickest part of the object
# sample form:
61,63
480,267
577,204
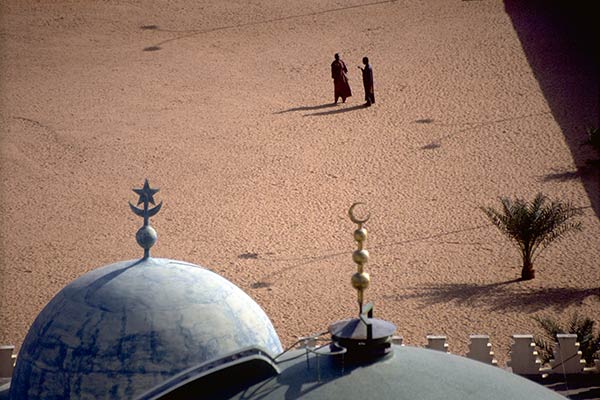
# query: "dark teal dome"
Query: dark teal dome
406,373
122,329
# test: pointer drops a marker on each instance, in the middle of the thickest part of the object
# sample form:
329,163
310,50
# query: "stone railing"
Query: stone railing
7,362
524,358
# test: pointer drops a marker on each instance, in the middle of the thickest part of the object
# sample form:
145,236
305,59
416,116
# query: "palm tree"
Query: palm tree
533,226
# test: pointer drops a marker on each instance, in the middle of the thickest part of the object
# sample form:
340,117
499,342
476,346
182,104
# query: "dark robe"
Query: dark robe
367,74
340,80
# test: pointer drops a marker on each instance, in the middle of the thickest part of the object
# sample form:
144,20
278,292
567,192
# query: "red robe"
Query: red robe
340,80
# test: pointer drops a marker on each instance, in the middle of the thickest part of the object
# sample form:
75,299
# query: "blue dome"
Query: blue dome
122,329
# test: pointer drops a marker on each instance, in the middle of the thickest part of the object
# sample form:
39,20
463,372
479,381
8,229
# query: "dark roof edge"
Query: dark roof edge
202,371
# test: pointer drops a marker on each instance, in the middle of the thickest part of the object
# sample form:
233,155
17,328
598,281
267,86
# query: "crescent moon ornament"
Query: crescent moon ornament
151,212
137,211
353,217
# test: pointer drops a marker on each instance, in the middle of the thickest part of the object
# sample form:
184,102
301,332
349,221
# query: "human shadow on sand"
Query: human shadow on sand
584,172
307,108
337,111
559,39
562,176
511,295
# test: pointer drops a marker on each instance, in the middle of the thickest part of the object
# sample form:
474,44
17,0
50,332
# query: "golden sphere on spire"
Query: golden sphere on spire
360,235
361,280
360,256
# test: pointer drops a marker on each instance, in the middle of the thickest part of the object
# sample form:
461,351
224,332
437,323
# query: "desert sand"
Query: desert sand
226,107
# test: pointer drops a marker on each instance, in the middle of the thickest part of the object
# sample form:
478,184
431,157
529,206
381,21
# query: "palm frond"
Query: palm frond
545,348
589,345
550,326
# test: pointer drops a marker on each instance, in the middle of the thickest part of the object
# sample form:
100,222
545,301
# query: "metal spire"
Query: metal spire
364,338
361,279
146,236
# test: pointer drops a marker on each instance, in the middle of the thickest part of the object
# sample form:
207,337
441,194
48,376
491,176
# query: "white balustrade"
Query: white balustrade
567,357
480,349
524,359
437,342
398,340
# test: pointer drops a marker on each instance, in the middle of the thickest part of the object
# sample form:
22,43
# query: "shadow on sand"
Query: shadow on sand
336,111
559,39
302,261
307,108
583,172
513,295
431,146
562,176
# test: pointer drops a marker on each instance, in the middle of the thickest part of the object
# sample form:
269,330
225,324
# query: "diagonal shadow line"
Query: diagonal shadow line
306,261
307,108
435,236
99,283
477,124
191,33
331,252
302,261
338,111
435,143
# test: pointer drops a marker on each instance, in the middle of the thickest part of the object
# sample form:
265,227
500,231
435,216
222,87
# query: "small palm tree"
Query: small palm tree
533,226
589,345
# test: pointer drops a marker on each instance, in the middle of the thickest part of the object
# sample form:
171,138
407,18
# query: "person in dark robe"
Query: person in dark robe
367,75
341,87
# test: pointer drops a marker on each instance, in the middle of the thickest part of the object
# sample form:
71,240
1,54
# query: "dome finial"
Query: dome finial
146,236
365,337
361,279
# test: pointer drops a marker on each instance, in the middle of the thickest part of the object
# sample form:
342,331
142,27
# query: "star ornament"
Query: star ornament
146,193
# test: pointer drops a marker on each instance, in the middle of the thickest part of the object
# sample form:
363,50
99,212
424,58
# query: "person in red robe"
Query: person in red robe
341,86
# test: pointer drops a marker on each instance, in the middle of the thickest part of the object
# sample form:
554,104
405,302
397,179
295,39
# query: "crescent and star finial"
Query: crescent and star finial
146,236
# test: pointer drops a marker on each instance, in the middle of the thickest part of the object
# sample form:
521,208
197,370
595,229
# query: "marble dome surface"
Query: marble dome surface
120,330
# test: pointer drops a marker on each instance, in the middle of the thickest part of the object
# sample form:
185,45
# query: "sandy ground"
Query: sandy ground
226,106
